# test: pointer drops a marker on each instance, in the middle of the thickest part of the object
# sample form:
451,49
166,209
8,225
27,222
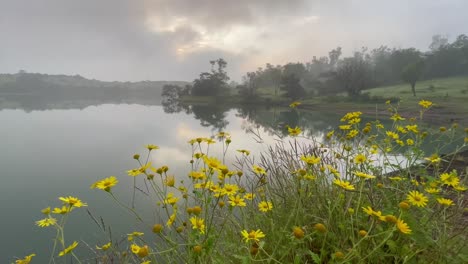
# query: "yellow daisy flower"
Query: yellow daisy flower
68,249
364,175
403,227
104,247
417,198
105,184
46,222
311,160
254,235
425,104
344,184
198,223
72,201
25,260
237,201
294,131
265,206
444,201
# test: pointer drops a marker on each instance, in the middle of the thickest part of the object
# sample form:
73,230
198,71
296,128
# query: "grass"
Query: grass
324,201
455,87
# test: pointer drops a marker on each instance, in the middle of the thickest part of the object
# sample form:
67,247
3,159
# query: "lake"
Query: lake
49,151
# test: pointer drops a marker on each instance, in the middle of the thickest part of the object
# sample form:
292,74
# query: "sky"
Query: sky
134,40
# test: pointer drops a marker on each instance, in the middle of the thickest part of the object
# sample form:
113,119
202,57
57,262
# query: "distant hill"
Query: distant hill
43,91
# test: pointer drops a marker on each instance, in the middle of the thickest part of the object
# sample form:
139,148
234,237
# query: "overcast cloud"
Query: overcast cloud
174,39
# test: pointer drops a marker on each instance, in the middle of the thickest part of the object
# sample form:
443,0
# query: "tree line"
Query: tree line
333,74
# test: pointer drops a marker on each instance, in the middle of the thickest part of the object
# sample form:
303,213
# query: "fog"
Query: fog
174,40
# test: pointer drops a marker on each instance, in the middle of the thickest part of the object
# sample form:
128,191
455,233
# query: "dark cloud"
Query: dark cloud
175,39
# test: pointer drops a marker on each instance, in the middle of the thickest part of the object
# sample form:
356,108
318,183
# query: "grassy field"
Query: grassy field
456,87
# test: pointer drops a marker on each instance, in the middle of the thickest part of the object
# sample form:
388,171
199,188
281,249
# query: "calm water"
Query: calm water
49,153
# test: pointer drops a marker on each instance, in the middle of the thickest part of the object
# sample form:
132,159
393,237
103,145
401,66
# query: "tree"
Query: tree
291,84
212,83
438,41
412,73
354,74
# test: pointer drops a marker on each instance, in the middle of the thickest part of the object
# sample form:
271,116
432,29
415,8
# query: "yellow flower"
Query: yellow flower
197,175
444,201
140,251
333,170
404,205
294,104
298,232
249,196
460,188
345,127
396,178
151,147
434,158
311,160
170,181
105,184
68,249
450,179
46,222
403,227
294,131
401,130
46,211
104,247
229,189
344,184
425,104
432,190
171,199
244,151
258,170
134,172
352,134
412,128
254,235
363,233
330,134
132,235
409,142
265,206
360,158
72,201
390,219
63,210
171,219
222,135
198,223
364,175
26,259
417,198
320,228
368,210
212,162
354,121
392,135
351,115
236,201
397,117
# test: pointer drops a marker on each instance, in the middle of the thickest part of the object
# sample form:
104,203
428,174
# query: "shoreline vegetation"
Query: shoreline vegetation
316,202
448,94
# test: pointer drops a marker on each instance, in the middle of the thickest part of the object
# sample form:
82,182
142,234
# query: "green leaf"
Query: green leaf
315,257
